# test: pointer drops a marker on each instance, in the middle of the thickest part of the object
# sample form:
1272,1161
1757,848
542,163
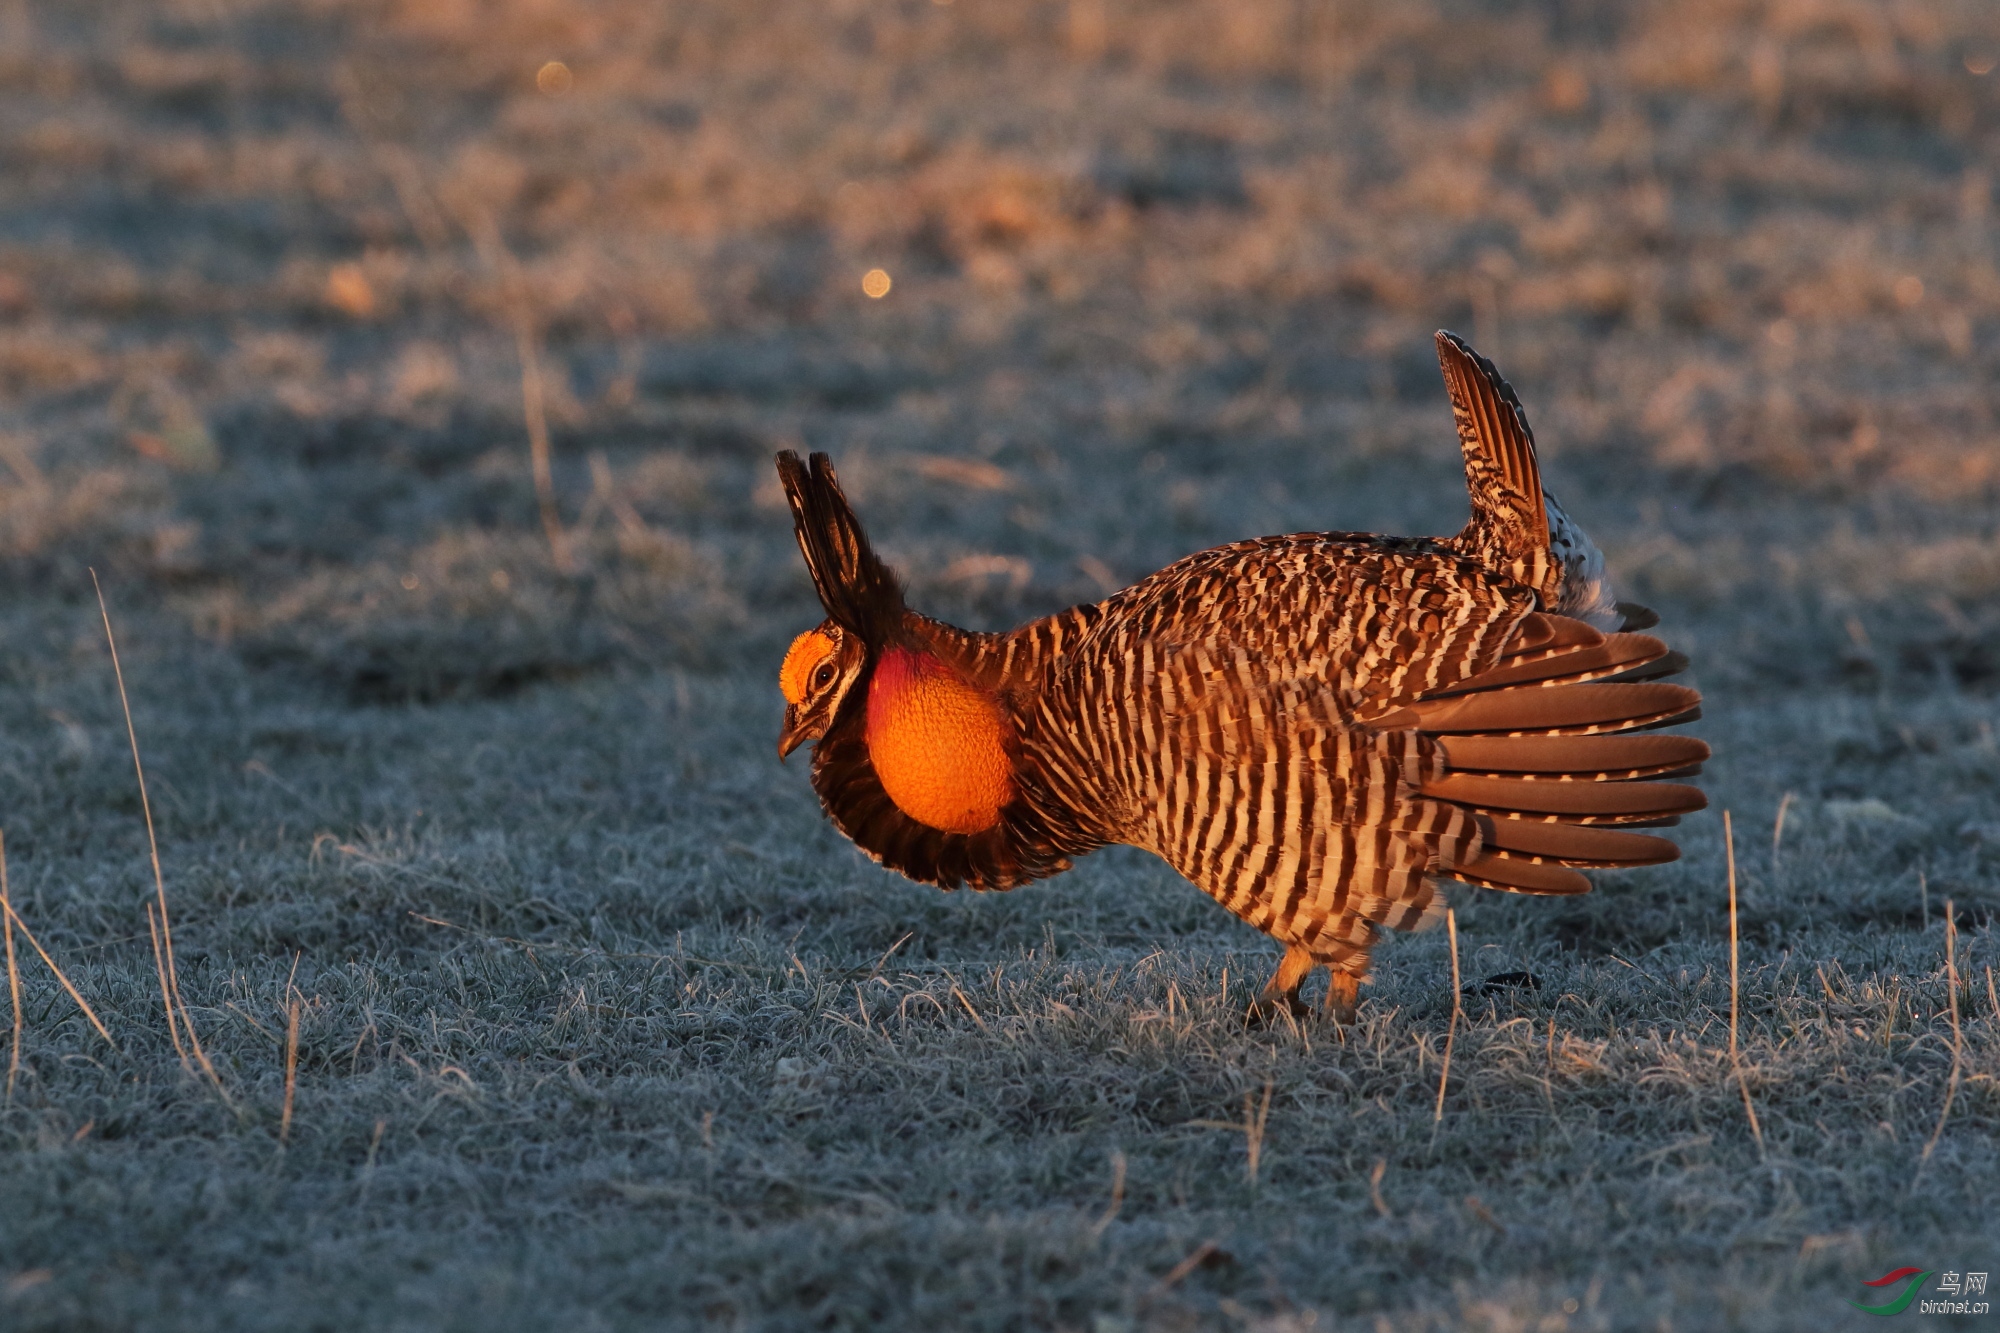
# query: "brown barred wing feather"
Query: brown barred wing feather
1237,696
1321,822
1310,827
1024,846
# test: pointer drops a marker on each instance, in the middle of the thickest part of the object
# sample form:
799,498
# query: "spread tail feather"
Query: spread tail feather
1501,471
1554,745
1517,527
1502,476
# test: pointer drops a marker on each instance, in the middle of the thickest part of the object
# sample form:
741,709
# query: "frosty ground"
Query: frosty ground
599,1024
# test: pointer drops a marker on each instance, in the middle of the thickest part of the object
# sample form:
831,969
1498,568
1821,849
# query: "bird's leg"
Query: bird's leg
1282,991
1342,991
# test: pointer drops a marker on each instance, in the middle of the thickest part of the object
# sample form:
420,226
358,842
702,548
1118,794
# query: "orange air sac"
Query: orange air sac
937,744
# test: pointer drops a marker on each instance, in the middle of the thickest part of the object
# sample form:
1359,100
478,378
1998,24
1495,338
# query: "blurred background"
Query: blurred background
286,288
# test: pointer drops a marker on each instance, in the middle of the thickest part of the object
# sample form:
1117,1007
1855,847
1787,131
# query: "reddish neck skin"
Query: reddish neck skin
895,671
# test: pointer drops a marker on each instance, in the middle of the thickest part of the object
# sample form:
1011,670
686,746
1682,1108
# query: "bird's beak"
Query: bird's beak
793,736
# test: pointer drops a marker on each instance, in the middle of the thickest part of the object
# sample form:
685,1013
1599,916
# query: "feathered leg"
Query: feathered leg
1282,991
1343,989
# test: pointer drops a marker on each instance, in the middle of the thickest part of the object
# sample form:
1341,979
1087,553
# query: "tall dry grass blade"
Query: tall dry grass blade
1117,1195
13,971
604,492
166,992
395,161
1750,1112
291,1068
492,247
1735,989
969,1009
1729,844
153,847
1957,1035
1253,1131
1173,1275
368,1167
1778,828
74,994
139,769
1451,1033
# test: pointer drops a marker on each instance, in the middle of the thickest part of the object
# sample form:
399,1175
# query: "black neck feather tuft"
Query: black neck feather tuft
856,587
1023,846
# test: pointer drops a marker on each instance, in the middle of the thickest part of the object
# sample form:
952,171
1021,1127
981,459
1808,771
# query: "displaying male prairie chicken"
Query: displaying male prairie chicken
1316,729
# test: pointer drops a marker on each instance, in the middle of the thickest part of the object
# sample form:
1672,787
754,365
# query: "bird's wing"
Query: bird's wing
1319,825
1310,826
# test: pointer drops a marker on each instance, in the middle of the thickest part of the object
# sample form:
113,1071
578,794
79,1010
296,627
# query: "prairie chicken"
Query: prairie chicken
1316,729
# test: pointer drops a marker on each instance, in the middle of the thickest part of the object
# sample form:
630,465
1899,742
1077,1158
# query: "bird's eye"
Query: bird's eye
824,676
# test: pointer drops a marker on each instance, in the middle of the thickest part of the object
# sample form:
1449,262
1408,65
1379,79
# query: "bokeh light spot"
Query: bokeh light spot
348,291
554,78
876,283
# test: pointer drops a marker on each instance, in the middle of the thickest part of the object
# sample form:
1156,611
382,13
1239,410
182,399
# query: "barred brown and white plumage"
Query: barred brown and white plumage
1316,729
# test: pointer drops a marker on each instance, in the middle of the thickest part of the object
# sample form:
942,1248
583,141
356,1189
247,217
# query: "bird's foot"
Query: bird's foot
1281,992
1266,1008
1343,993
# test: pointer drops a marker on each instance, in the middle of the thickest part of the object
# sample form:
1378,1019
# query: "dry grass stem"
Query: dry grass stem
969,1009
1451,1033
1729,846
291,1067
405,177
166,990
604,492
13,970
1117,1194
1957,1033
1778,828
1179,1271
368,1164
1253,1131
1375,1186
1750,1111
493,248
1735,988
63,977
166,933
1483,1213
